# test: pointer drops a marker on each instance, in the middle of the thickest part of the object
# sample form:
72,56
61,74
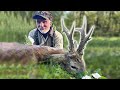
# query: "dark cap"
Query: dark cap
43,14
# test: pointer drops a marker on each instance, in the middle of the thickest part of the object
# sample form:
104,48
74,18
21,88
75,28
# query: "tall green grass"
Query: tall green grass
47,71
105,42
104,53
14,28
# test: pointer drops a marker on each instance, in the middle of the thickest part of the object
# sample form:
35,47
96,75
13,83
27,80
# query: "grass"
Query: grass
104,53
33,72
14,28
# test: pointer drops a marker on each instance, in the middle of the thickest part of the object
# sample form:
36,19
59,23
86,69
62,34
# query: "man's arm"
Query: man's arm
31,36
31,40
58,40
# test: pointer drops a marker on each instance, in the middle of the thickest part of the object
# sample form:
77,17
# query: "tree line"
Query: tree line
107,22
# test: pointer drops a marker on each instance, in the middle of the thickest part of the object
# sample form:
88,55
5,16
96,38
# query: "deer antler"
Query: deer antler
84,37
69,34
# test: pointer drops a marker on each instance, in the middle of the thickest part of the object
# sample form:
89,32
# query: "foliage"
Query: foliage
13,28
103,53
47,71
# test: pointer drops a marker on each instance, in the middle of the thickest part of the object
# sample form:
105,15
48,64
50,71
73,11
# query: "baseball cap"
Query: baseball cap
42,14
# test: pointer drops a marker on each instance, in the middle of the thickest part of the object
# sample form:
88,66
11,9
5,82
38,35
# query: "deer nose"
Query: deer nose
81,70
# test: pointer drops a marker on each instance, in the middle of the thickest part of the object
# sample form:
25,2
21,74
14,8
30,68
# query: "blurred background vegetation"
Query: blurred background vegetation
102,52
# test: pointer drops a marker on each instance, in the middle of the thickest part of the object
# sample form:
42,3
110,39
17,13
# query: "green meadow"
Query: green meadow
101,53
104,53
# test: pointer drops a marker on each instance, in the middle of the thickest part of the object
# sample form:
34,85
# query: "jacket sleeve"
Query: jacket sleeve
58,40
31,36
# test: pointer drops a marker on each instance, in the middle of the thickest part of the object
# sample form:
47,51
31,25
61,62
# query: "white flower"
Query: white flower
86,77
96,75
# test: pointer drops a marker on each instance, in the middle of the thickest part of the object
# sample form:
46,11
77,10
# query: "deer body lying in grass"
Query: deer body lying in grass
16,52
71,59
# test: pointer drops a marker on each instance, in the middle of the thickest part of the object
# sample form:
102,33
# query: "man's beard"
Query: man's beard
43,31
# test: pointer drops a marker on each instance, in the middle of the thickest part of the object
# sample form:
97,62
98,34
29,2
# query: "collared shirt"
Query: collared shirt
57,38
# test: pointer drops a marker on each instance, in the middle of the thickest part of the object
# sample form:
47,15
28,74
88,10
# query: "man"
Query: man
44,34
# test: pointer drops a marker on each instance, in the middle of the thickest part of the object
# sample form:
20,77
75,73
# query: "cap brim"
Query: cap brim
39,17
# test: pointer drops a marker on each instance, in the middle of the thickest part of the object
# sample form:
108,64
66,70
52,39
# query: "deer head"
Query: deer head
74,58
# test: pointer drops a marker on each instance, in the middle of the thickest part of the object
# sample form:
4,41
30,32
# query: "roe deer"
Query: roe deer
71,59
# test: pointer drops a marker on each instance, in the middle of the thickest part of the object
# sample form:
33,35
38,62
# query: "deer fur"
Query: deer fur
23,54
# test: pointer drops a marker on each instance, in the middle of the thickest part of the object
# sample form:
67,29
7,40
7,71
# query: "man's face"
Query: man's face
43,25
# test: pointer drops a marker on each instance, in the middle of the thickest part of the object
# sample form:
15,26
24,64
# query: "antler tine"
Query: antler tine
90,32
83,29
84,37
64,28
71,37
69,34
72,28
